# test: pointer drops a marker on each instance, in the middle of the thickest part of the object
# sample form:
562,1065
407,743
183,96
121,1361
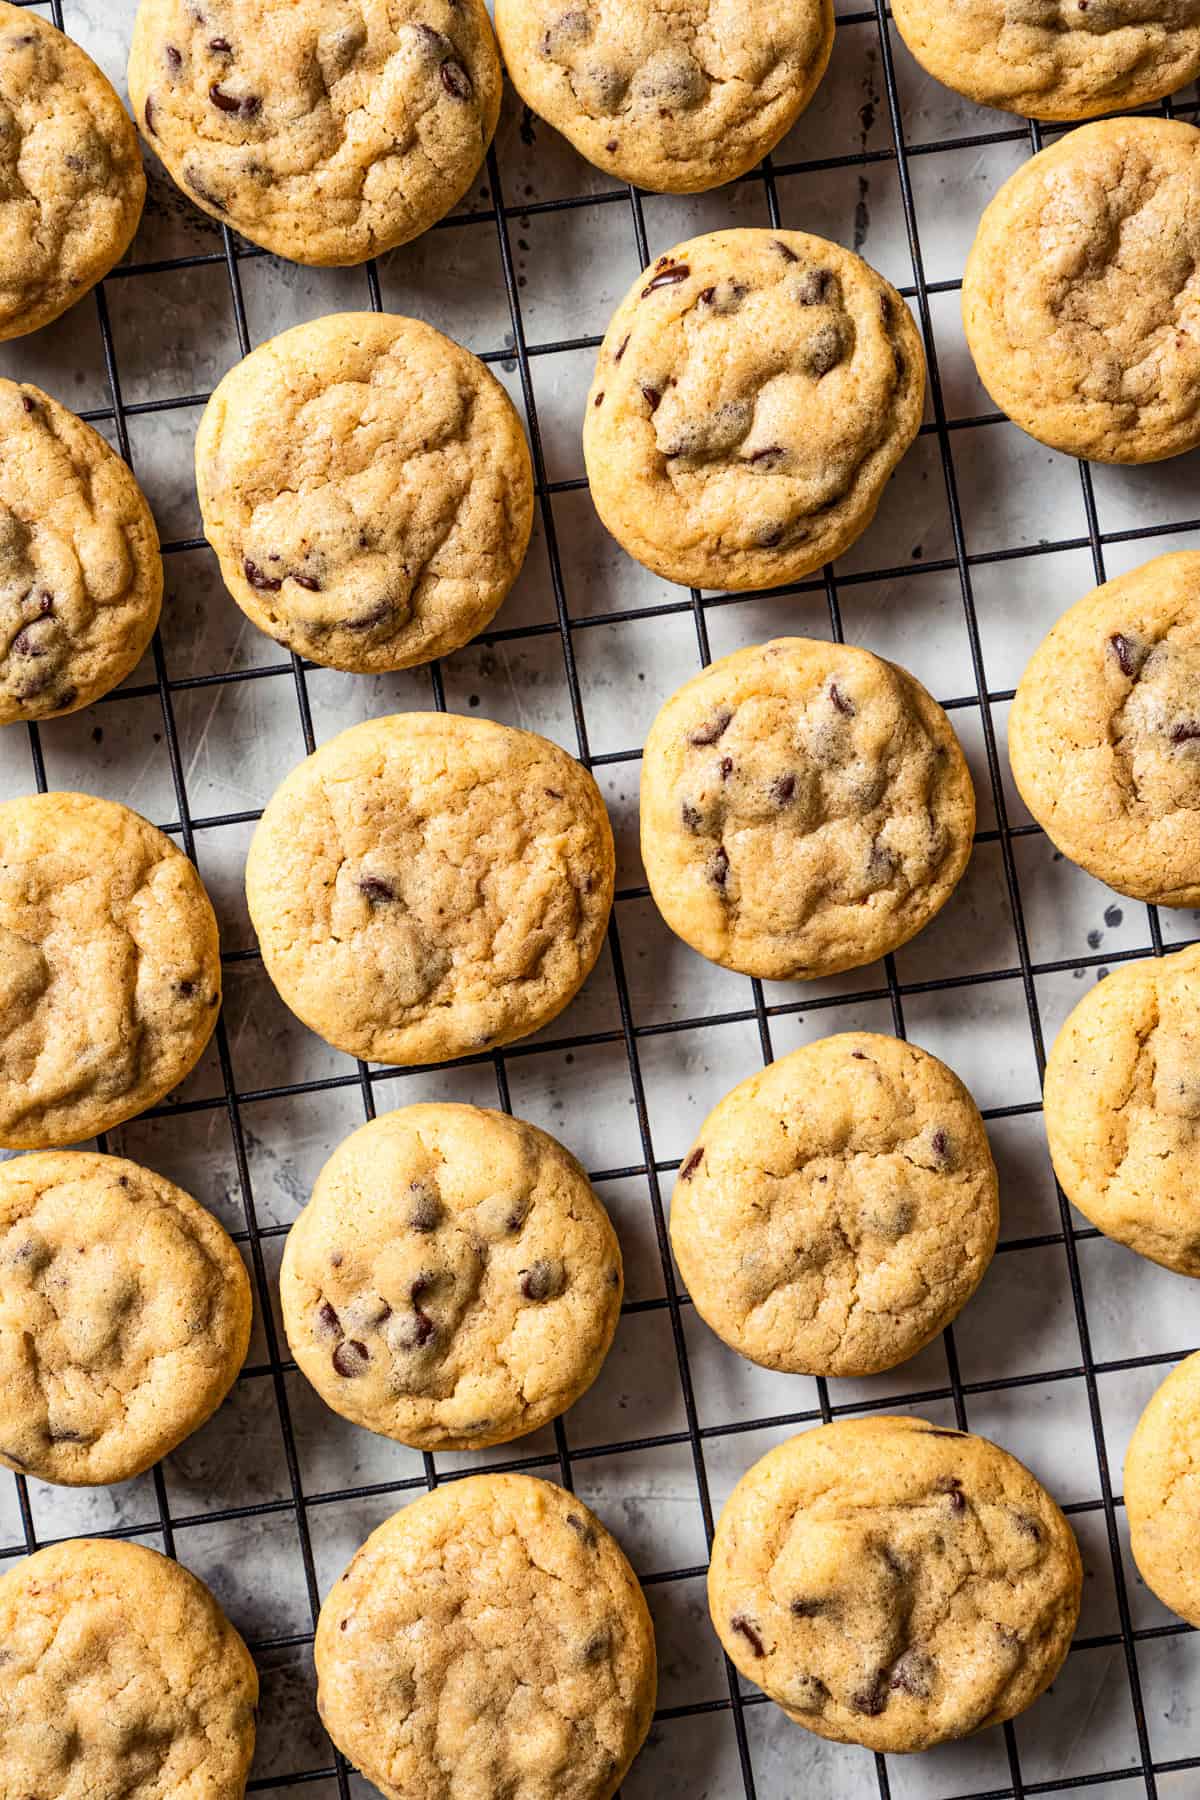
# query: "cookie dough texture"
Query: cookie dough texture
81,576
124,1317
1056,59
120,1675
1104,732
428,885
1080,300
454,1281
1162,1491
754,391
1122,1108
891,1584
805,809
838,1209
71,180
368,489
489,1639
327,131
678,99
110,977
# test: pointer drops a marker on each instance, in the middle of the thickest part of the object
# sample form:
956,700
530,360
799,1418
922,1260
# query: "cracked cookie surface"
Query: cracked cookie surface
489,1639
753,393
892,1584
1122,1108
805,808
454,1281
81,576
838,1208
110,977
676,99
120,1674
71,180
1162,1491
428,885
124,1316
1104,732
368,489
328,131
1081,298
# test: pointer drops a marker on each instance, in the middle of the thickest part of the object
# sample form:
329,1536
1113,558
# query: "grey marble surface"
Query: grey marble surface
174,333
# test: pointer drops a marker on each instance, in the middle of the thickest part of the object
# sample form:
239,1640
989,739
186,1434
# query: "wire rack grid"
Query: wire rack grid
729,1733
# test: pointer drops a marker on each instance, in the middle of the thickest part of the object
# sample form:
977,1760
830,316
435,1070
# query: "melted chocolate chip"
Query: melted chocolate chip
783,789
258,578
716,728
308,582
885,308
542,1281
599,400
726,767
248,106
376,889
375,616
220,46
1027,1526
809,1609
581,1526
825,351
148,115
1186,732
1129,654
787,255
597,1647
914,1674
24,644
204,193
844,706
328,1323
455,80
693,1162
690,815
185,989
718,867
870,1700
770,455
351,1358
553,793
816,286
174,58
741,1624
769,537
425,1213
651,396
28,403
621,348
951,1486
668,278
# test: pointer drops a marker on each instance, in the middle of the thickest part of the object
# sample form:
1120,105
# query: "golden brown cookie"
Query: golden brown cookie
1162,1491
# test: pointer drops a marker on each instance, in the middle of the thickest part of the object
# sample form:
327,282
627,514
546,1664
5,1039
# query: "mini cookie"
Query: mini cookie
124,1317
1104,733
489,1639
753,393
1079,303
327,131
891,1584
838,1209
1162,1491
120,1675
367,486
428,885
1122,1108
110,976
805,809
454,1281
81,576
676,100
71,180
1056,59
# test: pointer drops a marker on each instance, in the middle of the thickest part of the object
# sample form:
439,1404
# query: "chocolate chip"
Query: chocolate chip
787,255
824,351
815,287
336,1259
870,1700
543,1281
247,105
28,403
783,789
381,610
770,455
718,867
553,793
914,1674
45,603
328,1323
599,400
376,889
1129,653
185,989
951,1486
726,767
220,46
148,115
693,1162
769,537
581,1526
691,815
885,308
204,193
621,348
936,1431
351,1358
258,578
64,1435
651,395
716,728
677,272
596,1647
1027,1526
308,582
425,1213
844,706
1185,733
809,1609
455,80
24,644
174,58
741,1624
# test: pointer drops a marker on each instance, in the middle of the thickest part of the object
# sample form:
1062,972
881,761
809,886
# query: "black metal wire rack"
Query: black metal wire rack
628,1035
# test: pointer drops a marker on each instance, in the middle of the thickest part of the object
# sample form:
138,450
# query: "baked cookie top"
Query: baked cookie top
489,1639
838,1208
110,977
81,576
1162,1491
805,808
677,99
1104,733
72,185
1080,301
368,489
454,1281
753,393
327,131
427,885
120,1675
892,1584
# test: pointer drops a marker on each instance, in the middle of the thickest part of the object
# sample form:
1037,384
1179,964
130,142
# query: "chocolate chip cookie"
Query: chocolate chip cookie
1079,300
1162,1491
81,576
368,489
427,885
327,131
838,1209
110,977
891,1584
805,809
71,180
454,1281
1104,733
754,391
1122,1108
489,1639
675,100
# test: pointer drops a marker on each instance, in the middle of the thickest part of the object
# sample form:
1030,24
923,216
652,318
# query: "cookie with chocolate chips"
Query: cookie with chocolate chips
754,391
488,1639
1162,1491
328,131
892,1584
368,489
806,808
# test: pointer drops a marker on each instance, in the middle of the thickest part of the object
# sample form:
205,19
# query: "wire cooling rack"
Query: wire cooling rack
1120,1717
